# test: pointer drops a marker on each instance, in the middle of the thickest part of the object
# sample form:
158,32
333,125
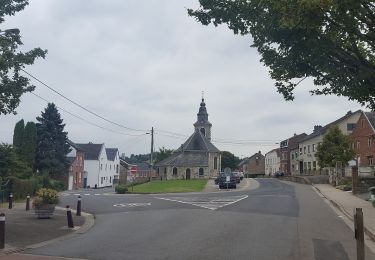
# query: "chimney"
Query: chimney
317,128
349,113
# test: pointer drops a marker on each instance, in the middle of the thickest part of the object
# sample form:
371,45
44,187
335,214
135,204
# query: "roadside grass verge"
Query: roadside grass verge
169,186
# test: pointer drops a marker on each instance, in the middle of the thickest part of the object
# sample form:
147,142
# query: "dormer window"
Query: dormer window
203,131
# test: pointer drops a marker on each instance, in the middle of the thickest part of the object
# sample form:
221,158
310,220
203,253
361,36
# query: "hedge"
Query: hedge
21,188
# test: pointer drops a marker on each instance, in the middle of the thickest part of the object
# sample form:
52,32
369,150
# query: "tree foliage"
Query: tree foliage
18,133
229,160
11,165
336,147
12,84
331,41
52,146
29,144
162,154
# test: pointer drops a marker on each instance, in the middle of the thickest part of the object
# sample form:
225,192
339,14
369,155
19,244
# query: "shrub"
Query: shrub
47,196
121,189
57,185
21,188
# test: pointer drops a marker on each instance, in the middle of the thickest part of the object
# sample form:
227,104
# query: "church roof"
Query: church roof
197,142
185,159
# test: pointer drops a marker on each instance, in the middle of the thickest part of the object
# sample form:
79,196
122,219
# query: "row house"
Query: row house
286,147
272,162
101,165
364,144
76,159
308,146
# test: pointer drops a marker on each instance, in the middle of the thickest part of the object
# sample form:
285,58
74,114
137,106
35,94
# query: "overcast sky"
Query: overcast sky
144,63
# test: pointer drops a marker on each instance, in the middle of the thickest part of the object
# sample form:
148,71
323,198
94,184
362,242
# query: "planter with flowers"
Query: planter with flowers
45,202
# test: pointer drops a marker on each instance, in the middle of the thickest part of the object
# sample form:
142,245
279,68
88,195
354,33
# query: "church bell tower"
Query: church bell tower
202,123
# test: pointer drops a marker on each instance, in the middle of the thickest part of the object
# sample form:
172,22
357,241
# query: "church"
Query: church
197,157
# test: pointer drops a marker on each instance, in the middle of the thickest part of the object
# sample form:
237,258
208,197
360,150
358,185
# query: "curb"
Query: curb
88,224
343,211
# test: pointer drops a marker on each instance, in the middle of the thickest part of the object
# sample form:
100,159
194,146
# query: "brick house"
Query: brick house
254,164
76,159
363,142
286,147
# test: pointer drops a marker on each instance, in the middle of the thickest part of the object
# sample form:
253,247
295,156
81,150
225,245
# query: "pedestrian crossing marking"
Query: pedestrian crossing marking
211,203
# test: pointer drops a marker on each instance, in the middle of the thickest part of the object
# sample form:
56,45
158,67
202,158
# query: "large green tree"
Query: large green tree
229,160
29,144
331,41
336,147
52,146
18,133
12,60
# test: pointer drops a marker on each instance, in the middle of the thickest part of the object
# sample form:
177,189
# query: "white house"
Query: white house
101,165
308,145
272,162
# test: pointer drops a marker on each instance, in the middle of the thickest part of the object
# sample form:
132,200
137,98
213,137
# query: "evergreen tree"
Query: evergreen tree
19,130
52,146
334,148
29,144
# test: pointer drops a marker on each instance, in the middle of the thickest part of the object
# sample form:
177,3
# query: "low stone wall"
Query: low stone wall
308,179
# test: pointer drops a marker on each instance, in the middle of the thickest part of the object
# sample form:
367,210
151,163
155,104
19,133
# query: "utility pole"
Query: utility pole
152,151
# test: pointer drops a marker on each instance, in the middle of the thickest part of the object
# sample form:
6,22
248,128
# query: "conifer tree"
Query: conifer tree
19,129
52,146
29,144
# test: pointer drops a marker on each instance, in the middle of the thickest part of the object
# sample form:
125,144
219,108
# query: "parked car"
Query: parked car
227,181
217,180
279,174
237,177
241,176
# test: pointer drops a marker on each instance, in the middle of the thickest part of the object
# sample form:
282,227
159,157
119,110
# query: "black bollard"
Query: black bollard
79,206
2,230
28,202
69,216
10,201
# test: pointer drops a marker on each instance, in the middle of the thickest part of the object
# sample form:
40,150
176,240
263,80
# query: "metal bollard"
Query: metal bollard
79,206
2,230
10,201
28,202
69,217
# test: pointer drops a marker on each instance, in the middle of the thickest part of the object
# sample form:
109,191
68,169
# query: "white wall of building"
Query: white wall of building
272,163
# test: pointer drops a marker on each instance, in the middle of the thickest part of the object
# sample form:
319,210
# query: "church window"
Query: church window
215,163
174,171
201,171
203,131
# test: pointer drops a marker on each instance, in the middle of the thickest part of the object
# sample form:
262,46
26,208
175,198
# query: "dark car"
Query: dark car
279,174
227,181
237,177
217,180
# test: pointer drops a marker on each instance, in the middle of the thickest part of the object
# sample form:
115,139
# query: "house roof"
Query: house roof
92,151
111,153
186,158
371,118
197,142
74,145
256,154
326,127
277,150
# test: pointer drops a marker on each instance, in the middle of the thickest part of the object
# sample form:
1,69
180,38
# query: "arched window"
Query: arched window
215,163
175,172
201,172
203,131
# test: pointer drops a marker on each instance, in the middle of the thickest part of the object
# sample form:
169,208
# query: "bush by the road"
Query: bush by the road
121,189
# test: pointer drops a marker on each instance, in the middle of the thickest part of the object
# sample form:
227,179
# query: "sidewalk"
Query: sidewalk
346,202
24,230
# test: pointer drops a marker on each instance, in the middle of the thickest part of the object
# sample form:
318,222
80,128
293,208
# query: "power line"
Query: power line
82,107
85,120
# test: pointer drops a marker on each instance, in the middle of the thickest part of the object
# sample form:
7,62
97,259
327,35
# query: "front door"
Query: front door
188,174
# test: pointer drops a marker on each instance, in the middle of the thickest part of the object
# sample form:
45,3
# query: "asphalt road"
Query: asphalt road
277,220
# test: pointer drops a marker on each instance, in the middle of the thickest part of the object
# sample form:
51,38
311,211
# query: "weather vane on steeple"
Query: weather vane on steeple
202,95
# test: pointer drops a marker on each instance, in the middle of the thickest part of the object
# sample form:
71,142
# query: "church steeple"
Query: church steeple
202,123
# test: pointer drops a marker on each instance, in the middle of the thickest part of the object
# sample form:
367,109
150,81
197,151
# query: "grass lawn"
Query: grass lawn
170,186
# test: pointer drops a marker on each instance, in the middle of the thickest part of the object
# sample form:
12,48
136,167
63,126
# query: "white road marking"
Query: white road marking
77,194
97,194
132,204
87,194
211,203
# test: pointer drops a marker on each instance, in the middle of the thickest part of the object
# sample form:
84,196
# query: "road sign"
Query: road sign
133,170
228,178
